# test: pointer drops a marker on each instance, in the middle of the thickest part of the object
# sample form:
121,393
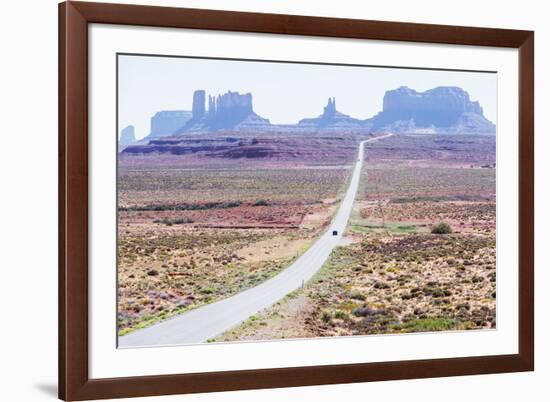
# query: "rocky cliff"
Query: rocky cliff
127,136
231,110
439,110
330,120
166,122
198,109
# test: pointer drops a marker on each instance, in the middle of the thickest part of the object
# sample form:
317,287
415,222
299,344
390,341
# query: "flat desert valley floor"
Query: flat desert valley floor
200,226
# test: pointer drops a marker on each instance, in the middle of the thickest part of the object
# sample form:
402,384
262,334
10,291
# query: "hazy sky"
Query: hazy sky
282,92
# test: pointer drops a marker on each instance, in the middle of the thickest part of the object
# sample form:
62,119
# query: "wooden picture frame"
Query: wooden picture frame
74,381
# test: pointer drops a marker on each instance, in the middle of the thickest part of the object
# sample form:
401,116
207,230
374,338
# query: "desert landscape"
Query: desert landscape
233,228
193,235
418,254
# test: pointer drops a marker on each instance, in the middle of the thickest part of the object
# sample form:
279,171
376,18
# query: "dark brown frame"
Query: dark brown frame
74,17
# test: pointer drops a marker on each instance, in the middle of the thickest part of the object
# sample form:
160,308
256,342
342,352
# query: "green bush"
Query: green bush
260,203
326,317
342,315
442,228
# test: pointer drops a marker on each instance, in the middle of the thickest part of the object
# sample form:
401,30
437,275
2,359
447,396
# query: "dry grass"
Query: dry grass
206,235
390,274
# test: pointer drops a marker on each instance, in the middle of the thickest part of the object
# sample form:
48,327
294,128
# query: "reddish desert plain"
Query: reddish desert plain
418,253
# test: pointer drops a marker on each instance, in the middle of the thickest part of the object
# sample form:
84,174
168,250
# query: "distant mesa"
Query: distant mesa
331,119
231,110
441,110
166,122
198,109
127,137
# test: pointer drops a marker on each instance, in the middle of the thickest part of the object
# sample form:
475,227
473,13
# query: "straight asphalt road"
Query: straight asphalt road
203,323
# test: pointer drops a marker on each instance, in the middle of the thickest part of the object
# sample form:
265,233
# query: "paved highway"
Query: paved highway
203,323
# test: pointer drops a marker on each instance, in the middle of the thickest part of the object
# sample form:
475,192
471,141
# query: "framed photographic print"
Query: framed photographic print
259,200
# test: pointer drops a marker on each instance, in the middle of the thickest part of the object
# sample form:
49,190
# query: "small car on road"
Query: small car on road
335,233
